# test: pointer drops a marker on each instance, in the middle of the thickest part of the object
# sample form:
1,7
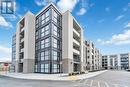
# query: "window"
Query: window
55,20
56,68
42,55
47,19
42,67
47,13
39,21
37,46
47,16
47,42
47,30
37,36
55,55
55,17
55,30
47,55
38,56
42,44
43,16
55,43
42,32
55,14
43,21
46,68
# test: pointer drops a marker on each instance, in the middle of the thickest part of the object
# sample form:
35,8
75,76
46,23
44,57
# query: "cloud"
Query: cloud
107,9
118,39
43,2
40,2
65,5
4,23
5,53
119,17
128,25
82,11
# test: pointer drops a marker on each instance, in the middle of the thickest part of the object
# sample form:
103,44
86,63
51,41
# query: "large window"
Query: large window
45,31
47,54
42,44
42,55
56,18
37,46
56,68
47,42
55,43
54,56
42,67
47,16
38,56
46,68
55,31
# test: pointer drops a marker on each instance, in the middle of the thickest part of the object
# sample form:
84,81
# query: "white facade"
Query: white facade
72,44
30,52
25,44
116,61
92,57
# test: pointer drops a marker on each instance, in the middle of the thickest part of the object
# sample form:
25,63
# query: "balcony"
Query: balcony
22,50
76,32
76,51
76,42
22,40
21,60
76,58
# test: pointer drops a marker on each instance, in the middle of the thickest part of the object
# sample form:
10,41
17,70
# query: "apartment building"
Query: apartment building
25,44
48,42
116,61
124,61
13,52
105,62
92,57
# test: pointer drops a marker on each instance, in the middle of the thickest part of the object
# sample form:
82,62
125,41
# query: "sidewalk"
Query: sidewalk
62,77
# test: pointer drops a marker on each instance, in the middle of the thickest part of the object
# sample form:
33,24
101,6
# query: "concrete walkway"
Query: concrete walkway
62,77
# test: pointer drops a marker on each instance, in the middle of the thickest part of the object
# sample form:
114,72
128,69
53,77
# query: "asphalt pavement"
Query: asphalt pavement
106,79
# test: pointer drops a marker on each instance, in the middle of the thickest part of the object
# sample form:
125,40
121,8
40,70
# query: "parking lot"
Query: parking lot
106,79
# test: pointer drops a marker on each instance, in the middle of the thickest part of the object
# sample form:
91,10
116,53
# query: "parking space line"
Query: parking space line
98,84
107,84
91,83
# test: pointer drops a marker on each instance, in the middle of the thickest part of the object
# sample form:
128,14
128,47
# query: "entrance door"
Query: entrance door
20,67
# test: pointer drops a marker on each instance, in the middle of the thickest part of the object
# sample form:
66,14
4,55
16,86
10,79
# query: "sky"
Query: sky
105,22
